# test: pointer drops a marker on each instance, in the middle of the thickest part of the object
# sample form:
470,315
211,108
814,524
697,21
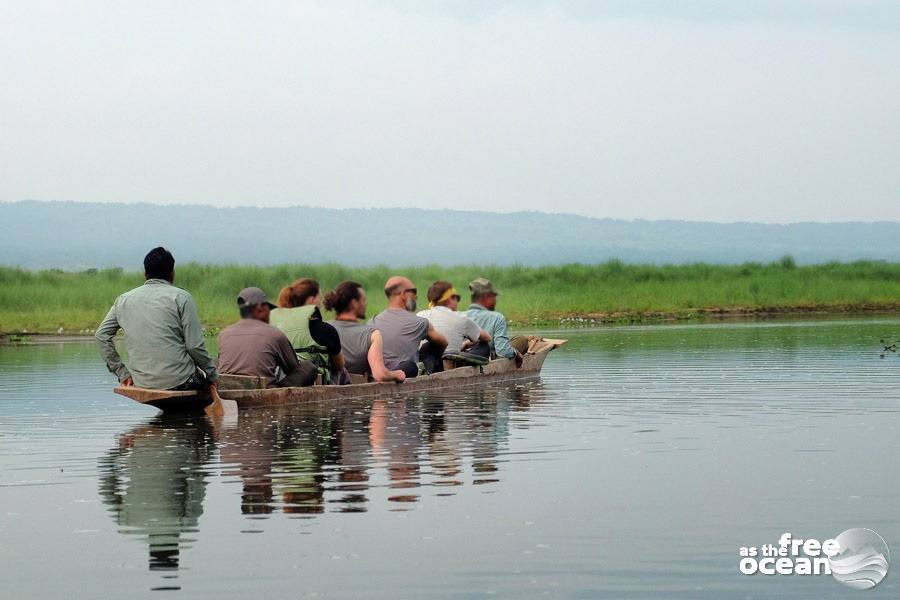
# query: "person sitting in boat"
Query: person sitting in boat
465,339
163,335
402,331
483,312
253,347
361,343
299,317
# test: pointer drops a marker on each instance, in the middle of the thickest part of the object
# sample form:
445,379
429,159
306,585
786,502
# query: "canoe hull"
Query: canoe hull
497,371
165,400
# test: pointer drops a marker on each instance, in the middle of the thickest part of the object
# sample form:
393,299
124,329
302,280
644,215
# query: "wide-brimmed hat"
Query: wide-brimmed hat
482,286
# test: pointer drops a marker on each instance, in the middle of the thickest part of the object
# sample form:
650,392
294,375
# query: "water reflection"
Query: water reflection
154,484
305,461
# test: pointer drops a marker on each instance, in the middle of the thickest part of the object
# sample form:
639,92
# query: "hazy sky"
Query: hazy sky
718,110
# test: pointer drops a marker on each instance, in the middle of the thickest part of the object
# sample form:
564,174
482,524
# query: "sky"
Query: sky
771,111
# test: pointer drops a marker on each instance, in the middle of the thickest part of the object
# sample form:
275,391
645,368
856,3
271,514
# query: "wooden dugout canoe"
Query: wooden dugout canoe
247,392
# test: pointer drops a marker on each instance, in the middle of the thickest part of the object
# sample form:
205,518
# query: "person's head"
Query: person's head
484,293
348,298
401,293
302,292
159,264
442,293
253,304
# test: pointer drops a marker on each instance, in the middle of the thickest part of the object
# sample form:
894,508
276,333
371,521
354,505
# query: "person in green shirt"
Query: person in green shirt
163,335
314,340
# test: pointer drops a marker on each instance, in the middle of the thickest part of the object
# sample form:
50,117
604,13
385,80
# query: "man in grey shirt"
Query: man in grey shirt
361,343
163,336
402,331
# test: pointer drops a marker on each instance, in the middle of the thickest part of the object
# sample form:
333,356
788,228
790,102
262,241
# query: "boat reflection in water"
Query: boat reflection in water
301,460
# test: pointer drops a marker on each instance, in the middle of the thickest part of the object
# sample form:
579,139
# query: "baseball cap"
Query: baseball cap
252,296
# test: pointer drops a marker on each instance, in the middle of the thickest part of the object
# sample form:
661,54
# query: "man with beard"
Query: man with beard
402,331
361,343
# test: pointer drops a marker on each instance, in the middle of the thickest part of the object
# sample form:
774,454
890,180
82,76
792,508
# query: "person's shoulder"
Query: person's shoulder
464,317
230,329
425,314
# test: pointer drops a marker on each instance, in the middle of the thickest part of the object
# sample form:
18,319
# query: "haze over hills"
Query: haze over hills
71,235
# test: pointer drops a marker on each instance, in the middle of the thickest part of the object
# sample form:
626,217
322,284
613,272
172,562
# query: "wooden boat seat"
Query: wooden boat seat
228,381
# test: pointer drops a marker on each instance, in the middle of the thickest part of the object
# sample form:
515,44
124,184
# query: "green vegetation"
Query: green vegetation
612,291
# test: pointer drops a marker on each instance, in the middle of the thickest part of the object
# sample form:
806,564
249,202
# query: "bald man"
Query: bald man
402,331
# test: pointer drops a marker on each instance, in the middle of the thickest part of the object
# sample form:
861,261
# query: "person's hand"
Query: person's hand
399,376
128,381
519,359
466,345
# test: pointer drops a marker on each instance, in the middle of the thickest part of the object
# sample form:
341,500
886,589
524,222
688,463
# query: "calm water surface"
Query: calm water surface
636,468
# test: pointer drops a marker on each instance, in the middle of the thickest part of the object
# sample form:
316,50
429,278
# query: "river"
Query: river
636,467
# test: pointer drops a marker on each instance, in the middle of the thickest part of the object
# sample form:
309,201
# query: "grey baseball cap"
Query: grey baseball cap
252,296
481,286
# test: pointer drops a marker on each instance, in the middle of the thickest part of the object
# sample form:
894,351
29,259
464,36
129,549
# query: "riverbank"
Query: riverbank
62,302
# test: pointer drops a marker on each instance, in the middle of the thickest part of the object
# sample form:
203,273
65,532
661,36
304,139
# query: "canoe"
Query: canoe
249,392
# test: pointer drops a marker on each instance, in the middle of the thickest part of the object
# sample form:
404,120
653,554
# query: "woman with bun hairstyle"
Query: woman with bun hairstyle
360,342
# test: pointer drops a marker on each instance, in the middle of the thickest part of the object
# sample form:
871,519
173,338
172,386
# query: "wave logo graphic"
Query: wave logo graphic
863,560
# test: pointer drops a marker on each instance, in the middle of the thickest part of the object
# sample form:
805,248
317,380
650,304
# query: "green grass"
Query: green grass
613,291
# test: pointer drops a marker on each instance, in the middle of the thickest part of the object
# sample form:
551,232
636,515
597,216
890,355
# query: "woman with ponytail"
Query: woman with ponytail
314,340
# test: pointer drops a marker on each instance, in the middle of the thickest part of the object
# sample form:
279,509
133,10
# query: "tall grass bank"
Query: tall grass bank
50,300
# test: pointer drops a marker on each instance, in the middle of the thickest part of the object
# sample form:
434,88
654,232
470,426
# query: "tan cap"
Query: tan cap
252,296
482,286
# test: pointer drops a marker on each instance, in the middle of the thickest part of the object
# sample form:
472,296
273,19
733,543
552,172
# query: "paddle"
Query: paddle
220,407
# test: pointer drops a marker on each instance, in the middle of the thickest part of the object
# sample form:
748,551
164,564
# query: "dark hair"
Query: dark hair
340,298
159,264
437,289
298,293
247,310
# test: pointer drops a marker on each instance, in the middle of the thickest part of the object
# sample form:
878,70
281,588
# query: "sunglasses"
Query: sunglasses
413,290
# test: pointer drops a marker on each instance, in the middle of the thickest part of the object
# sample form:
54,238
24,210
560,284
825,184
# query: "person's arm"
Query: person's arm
435,337
194,342
501,339
476,333
106,335
285,355
376,362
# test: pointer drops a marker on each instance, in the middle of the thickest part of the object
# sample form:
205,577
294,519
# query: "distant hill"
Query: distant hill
71,235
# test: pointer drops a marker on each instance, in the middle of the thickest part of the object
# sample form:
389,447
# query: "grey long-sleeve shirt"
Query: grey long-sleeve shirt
163,337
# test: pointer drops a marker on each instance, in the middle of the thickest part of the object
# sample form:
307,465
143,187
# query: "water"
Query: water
636,468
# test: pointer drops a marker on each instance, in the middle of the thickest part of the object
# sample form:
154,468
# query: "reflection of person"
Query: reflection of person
278,455
394,433
155,484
